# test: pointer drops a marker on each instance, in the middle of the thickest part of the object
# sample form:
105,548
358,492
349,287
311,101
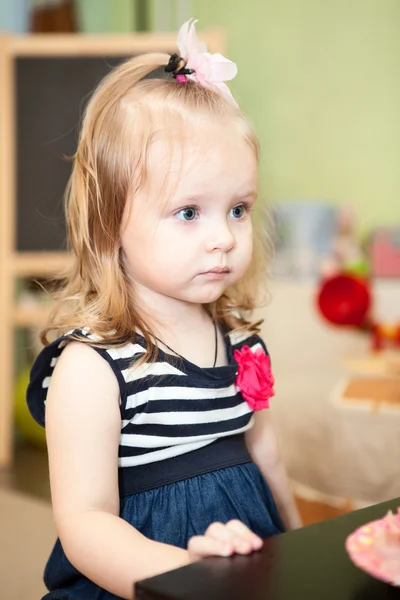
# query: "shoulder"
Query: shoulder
78,356
82,388
80,360
238,339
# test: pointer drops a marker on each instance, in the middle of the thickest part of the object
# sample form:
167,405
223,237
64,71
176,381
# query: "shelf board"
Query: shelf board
39,263
91,45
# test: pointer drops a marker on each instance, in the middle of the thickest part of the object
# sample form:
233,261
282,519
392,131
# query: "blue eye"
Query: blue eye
187,214
238,211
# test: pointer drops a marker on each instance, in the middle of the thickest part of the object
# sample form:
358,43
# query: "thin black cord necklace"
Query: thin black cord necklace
183,358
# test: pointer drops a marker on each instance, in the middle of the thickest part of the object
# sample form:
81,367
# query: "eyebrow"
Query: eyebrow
249,193
199,198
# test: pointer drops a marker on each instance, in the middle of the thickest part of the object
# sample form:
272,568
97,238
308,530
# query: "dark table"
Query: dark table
310,564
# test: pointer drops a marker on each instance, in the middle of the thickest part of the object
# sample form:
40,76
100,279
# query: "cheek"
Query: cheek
245,248
177,238
167,246
138,247
248,255
133,244
245,237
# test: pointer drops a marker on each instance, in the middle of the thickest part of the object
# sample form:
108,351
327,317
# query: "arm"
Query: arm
263,446
83,426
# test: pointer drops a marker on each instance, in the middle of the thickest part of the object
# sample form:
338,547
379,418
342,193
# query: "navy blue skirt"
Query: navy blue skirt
173,514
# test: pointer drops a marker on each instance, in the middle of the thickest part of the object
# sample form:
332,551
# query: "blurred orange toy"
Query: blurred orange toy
385,334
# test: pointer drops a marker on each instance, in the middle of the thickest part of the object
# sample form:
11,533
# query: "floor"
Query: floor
27,530
29,474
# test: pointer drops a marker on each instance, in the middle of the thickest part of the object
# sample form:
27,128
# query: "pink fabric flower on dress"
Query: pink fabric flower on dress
254,379
210,70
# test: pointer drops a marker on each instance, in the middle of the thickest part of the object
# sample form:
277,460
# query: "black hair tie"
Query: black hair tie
177,66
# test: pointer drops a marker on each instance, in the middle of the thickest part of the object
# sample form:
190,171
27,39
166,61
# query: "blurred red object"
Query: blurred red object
345,300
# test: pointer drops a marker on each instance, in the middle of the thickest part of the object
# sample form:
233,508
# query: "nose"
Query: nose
220,238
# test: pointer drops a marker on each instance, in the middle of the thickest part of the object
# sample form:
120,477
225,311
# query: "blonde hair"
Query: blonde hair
120,121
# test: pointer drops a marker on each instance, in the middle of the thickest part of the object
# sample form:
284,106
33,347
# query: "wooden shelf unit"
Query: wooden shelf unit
14,264
36,265
39,264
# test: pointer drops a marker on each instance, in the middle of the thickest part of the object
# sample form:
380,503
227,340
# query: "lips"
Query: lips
219,270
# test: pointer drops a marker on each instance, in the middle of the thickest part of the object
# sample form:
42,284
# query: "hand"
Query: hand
224,540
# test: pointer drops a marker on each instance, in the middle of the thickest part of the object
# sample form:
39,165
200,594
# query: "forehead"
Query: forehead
197,162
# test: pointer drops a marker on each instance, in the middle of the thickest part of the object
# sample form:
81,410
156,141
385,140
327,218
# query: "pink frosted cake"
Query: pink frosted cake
375,548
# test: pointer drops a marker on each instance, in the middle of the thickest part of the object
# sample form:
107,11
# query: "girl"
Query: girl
156,458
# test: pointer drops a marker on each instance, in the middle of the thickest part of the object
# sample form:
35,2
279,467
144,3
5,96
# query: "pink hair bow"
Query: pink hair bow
210,70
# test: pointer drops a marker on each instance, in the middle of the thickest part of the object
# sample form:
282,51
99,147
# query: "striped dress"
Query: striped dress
183,462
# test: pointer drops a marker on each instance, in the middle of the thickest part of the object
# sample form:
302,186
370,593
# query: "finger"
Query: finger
245,533
200,546
219,531
239,542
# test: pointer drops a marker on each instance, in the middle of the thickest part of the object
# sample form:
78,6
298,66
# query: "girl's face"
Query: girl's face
189,240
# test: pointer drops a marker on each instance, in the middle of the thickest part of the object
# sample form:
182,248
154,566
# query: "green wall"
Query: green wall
321,81
106,16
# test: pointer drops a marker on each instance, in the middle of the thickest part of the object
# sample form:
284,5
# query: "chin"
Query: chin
209,296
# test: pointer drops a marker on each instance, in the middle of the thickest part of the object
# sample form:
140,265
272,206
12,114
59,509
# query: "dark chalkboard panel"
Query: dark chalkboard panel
51,94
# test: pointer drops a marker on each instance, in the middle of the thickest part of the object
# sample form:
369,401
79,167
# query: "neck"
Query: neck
183,327
164,314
